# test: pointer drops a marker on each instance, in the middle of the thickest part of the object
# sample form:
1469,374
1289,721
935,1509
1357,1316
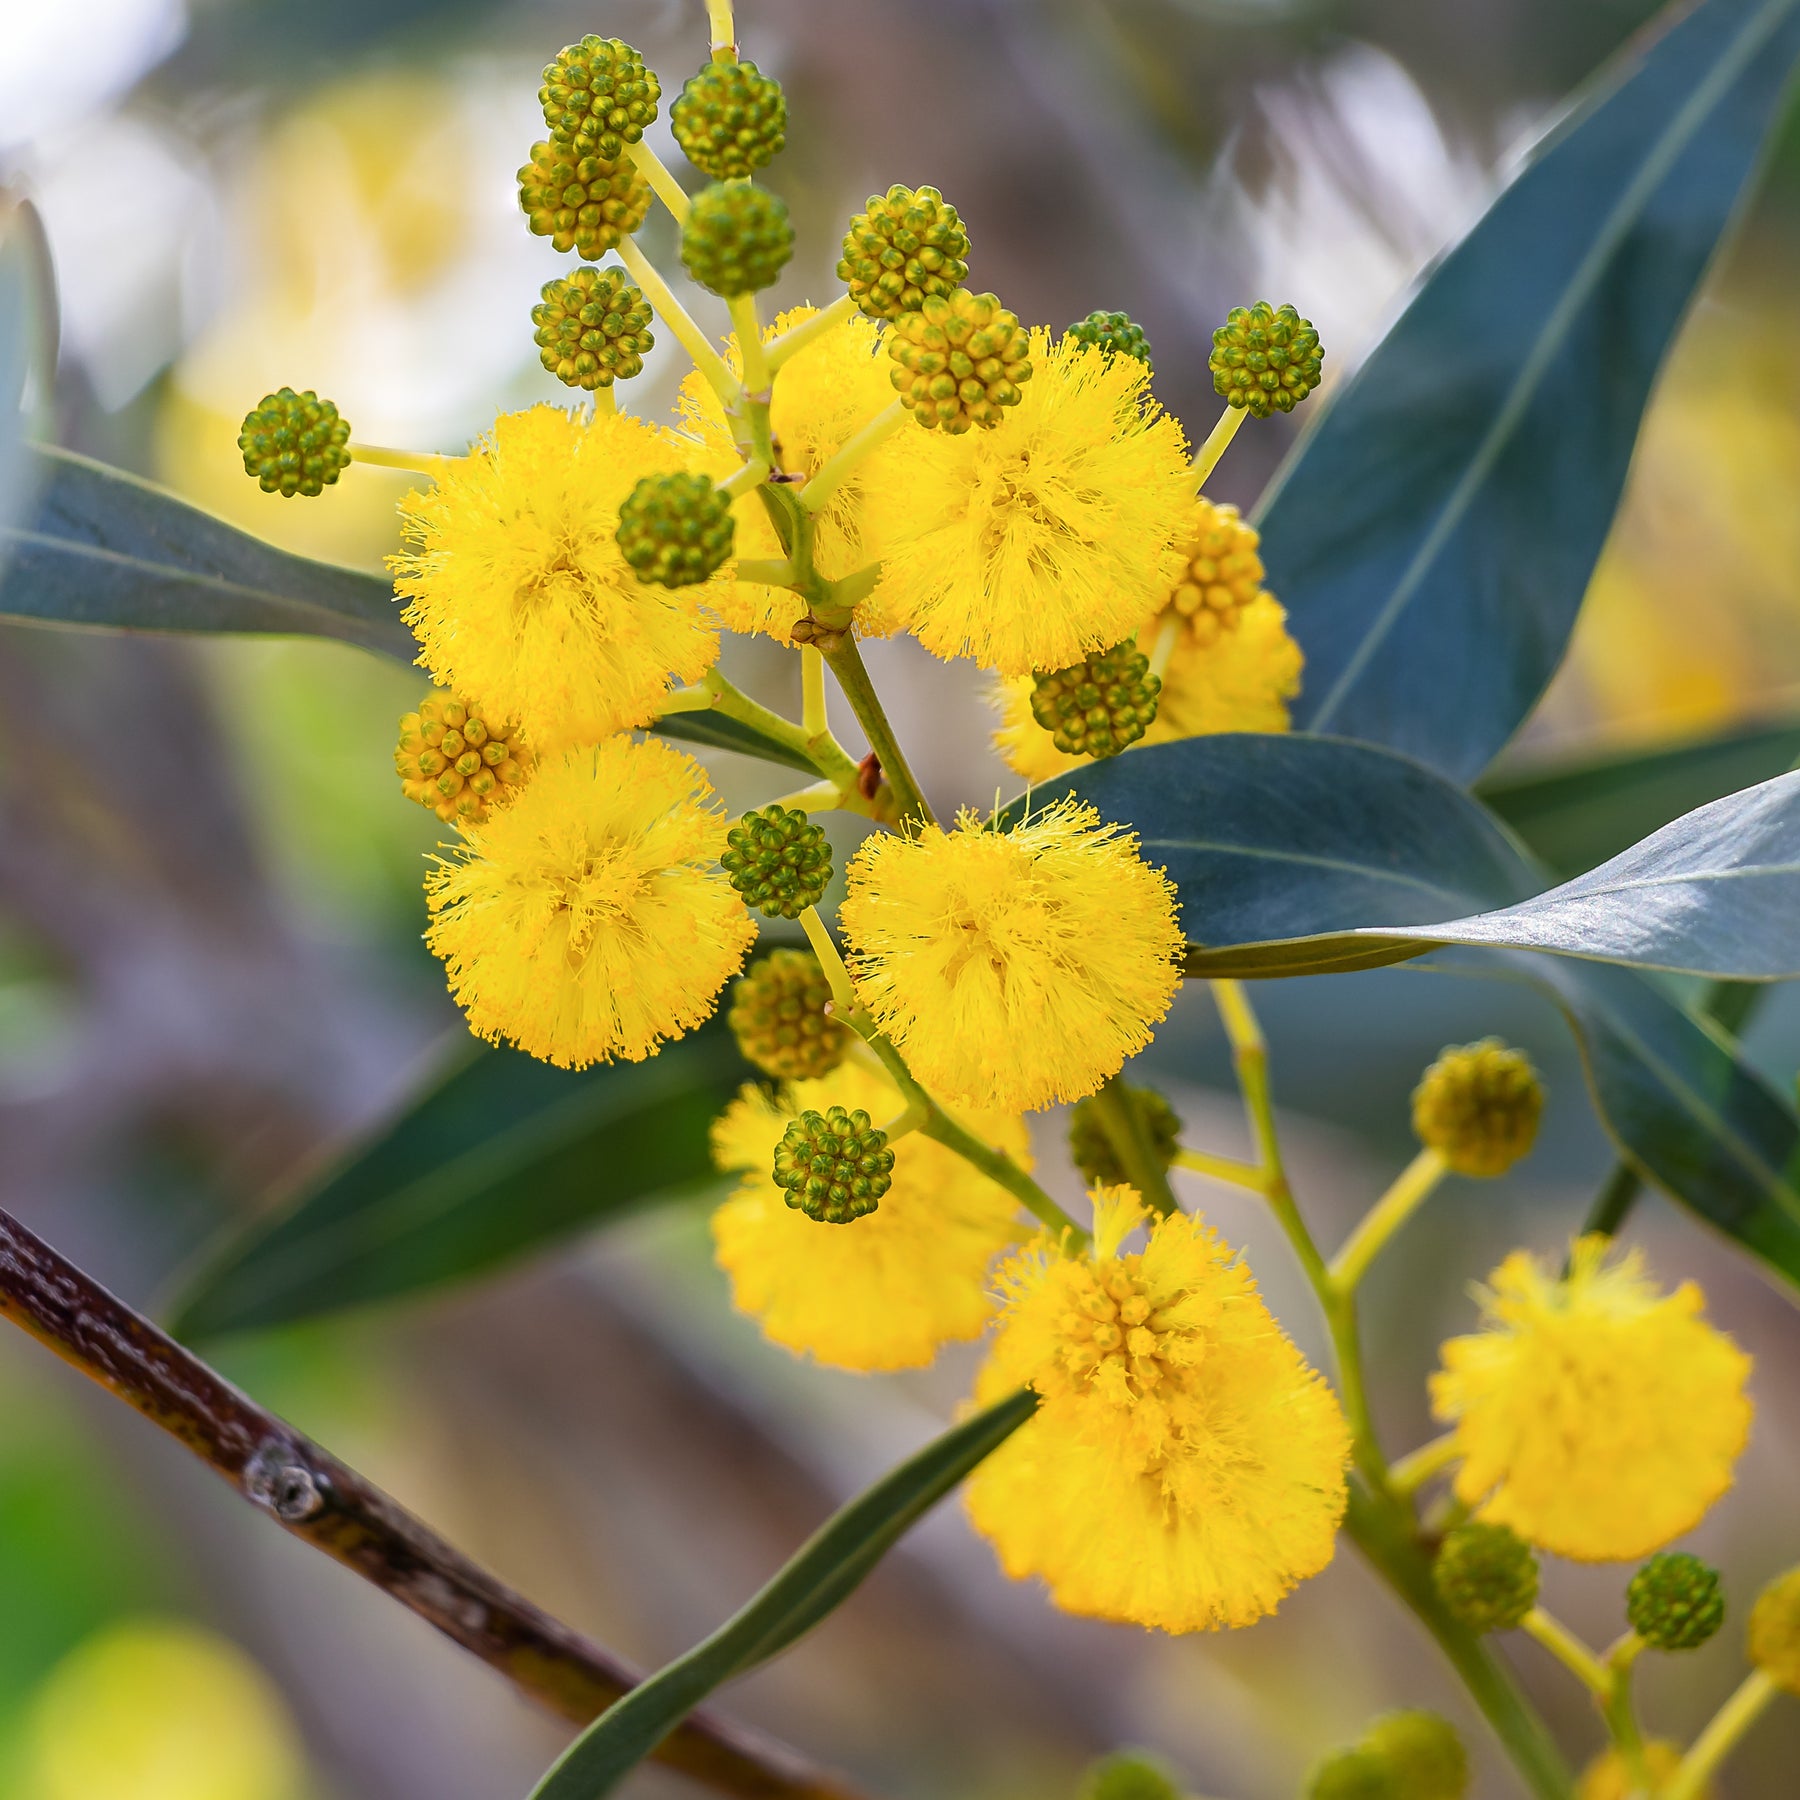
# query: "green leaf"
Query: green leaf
1433,536
1572,815
721,733
502,1157
103,548
820,1577
28,326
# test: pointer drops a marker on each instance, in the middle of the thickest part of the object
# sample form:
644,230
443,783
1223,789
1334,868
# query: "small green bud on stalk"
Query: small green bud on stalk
676,530
778,860
1099,706
1487,1575
294,443
960,361
1128,1775
1478,1106
1114,333
1674,1602
736,239
457,761
593,328
1090,1149
730,120
1265,358
581,202
835,1165
906,246
778,1016
598,95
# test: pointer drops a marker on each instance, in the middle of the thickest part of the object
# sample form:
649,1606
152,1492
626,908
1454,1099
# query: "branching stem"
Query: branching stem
866,438
1408,1192
655,171
680,323
808,331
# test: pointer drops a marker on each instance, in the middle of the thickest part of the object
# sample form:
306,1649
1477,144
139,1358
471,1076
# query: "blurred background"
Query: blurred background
210,967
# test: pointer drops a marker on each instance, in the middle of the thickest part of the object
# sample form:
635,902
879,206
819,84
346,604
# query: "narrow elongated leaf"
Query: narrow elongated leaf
27,344
722,733
1572,816
823,1574
1432,538
102,548
503,1157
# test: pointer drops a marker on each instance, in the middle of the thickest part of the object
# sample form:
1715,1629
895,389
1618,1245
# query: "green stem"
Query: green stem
847,665
1168,635
812,690
1721,1736
681,325
718,694
1386,1216
1409,1473
1568,1650
724,33
832,476
1206,458
808,331
1384,1534
1620,1713
414,462
1124,1129
1221,1168
752,474
655,171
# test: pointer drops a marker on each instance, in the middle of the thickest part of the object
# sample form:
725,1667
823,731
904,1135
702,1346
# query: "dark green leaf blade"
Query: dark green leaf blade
1432,538
721,733
503,1157
822,1575
1575,815
28,331
104,549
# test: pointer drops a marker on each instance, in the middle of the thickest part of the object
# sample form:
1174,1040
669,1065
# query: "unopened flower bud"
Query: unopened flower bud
598,96
730,120
1775,1631
1674,1601
458,761
1091,1150
1265,358
580,201
1224,573
1425,1758
1114,333
779,1019
1098,706
593,328
906,245
1487,1575
778,860
1478,1106
834,1166
960,359
294,443
736,239
1128,1775
1353,1774
676,530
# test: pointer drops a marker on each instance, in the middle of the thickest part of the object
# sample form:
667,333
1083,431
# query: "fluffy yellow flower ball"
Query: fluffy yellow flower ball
1014,969
1607,1777
518,592
1054,534
1241,682
1186,1467
888,1290
820,399
587,920
1596,1416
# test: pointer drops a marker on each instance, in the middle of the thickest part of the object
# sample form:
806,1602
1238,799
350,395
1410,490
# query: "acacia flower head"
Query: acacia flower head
1014,969
1057,533
519,593
886,1290
1186,1467
587,921
1596,1415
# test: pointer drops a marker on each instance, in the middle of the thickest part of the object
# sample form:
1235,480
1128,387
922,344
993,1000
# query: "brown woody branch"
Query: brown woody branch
316,1498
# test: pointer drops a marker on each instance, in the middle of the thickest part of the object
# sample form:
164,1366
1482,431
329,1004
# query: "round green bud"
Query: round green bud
905,245
1674,1601
1425,1758
1478,1106
1114,333
960,360
1487,1575
1265,358
737,239
1098,706
458,759
779,1019
731,120
593,328
1353,1774
834,1165
294,443
1128,1775
778,860
1775,1631
581,202
598,96
1090,1149
676,530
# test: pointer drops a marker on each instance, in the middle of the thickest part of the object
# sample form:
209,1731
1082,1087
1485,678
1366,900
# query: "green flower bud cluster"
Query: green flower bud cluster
1478,1105
778,860
736,240
1128,1775
834,1166
593,328
1674,1602
676,530
1114,333
294,443
1402,1756
457,762
1091,1150
731,120
779,1019
960,361
1098,706
1487,1575
598,96
580,201
1265,358
906,245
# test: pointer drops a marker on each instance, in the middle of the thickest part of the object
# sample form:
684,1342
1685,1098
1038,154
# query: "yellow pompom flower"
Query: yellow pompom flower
587,921
885,1291
1013,969
1596,1415
1186,1467
820,399
1242,682
1055,534
517,589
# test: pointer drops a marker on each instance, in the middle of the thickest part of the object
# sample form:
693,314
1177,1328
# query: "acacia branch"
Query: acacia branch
321,1501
